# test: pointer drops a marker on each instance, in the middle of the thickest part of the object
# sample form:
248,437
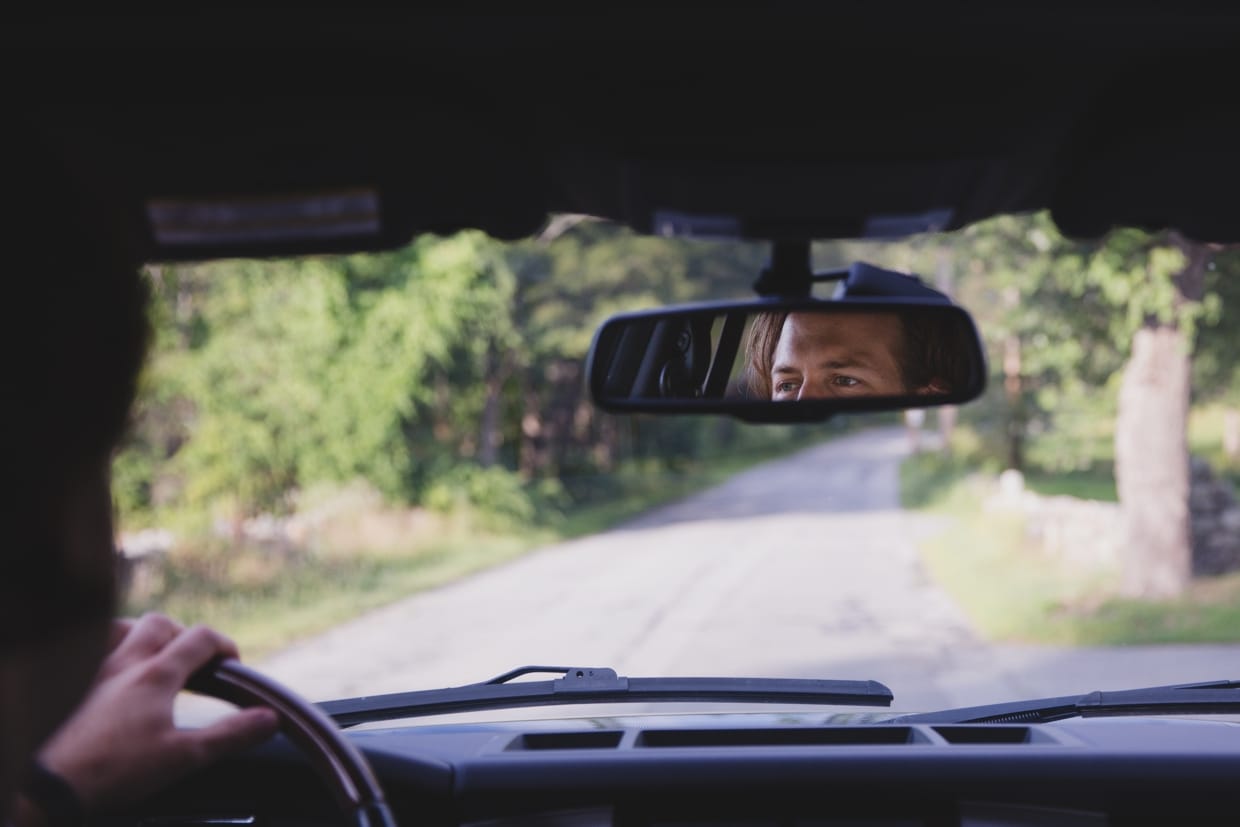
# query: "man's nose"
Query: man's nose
812,390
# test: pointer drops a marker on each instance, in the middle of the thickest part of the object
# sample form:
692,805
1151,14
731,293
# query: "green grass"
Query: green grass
930,481
1208,613
1012,592
265,603
1205,439
1018,596
1009,594
1096,482
266,599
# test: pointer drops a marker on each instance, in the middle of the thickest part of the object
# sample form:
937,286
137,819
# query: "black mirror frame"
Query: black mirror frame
766,411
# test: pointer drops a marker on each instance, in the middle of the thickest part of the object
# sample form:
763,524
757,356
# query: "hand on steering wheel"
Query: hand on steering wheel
122,744
338,762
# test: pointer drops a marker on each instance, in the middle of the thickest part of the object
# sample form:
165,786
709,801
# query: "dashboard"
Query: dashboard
665,771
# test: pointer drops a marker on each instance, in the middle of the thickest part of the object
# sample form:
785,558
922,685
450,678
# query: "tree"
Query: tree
405,369
1064,319
1156,284
1047,346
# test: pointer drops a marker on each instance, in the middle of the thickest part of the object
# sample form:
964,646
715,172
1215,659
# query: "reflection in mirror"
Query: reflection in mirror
856,353
815,355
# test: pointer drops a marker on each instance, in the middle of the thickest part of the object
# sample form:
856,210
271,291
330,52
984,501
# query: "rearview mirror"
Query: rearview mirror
786,360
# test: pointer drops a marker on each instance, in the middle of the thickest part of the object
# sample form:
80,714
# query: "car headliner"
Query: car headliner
781,123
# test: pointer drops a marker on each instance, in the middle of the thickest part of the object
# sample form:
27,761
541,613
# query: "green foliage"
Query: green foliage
1096,482
496,493
1206,427
445,372
1060,316
1216,370
452,368
287,373
929,480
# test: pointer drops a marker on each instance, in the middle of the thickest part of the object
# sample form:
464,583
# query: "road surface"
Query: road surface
801,567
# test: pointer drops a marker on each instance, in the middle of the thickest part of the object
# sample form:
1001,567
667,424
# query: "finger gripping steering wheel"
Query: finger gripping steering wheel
337,761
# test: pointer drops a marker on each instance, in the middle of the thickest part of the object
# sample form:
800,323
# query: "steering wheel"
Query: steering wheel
334,758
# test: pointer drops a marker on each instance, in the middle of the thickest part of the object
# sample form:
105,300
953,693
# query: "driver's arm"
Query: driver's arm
121,744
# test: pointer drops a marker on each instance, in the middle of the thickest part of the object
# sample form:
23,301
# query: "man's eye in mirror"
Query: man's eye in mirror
731,358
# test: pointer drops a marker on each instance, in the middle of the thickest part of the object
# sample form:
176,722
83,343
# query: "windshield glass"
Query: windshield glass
382,473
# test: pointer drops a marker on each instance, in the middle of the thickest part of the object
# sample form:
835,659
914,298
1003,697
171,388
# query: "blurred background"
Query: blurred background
320,437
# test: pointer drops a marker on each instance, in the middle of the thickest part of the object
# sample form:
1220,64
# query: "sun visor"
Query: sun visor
208,225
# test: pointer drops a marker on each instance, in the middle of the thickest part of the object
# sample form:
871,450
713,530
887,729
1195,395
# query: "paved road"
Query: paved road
802,567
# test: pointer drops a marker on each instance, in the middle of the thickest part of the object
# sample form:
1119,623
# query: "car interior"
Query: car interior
231,133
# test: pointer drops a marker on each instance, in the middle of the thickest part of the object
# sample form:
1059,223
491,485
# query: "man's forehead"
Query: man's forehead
860,329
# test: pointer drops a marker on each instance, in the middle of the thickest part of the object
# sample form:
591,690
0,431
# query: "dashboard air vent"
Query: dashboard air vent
603,739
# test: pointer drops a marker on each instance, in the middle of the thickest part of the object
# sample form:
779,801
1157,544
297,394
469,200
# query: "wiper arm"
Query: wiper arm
597,685
1187,698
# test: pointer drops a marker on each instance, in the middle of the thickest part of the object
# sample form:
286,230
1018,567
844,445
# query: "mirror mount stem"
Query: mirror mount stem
788,275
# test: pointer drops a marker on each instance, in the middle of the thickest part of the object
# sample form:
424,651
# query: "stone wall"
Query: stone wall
1082,532
1215,521
1086,532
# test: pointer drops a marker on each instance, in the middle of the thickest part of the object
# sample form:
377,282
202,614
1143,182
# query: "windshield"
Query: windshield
383,473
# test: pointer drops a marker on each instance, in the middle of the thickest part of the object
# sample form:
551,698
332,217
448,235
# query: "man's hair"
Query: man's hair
760,344
73,334
933,342
930,344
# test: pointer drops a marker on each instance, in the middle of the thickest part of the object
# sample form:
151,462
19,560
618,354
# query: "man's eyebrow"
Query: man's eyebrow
830,364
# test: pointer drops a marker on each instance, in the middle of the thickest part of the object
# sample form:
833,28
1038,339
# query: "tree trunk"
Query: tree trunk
532,459
1013,391
561,420
945,281
604,451
1151,464
947,415
1151,445
490,435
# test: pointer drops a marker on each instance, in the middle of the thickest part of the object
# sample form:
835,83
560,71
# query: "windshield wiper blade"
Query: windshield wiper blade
598,685
1211,697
